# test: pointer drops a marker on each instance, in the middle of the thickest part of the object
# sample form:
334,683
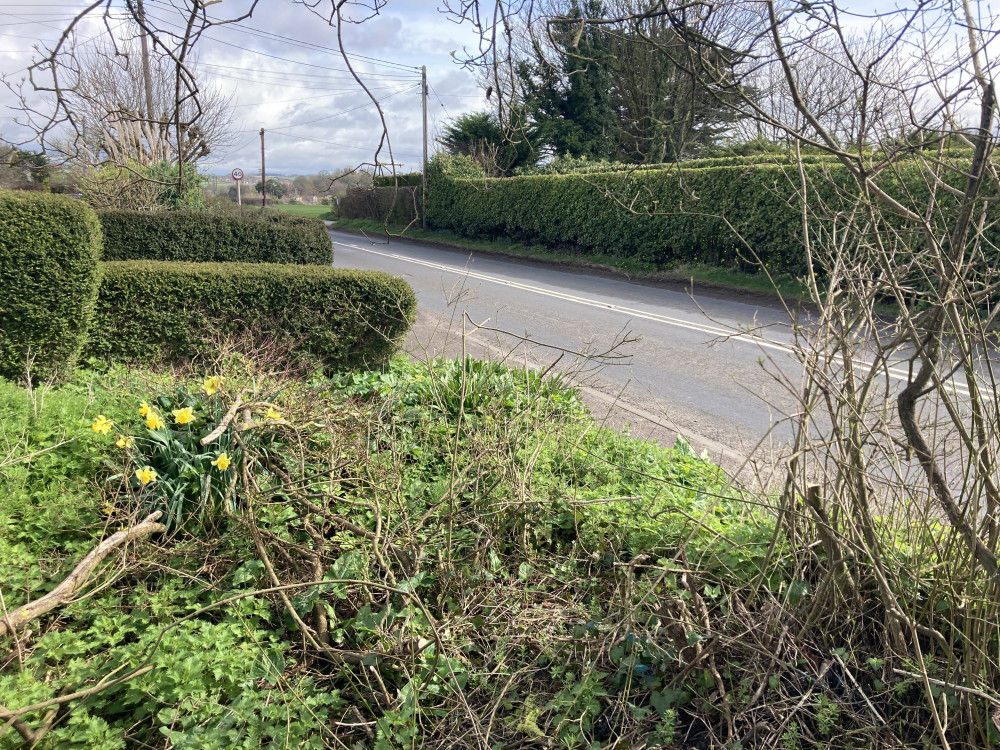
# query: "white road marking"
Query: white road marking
897,373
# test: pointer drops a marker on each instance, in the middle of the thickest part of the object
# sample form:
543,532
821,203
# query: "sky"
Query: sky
285,74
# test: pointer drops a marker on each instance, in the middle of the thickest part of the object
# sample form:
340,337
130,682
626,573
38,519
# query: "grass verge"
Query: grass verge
711,277
313,212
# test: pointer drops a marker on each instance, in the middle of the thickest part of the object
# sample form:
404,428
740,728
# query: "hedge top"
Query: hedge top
175,311
251,236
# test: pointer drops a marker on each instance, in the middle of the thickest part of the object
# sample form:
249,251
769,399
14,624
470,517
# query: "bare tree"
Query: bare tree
111,99
122,105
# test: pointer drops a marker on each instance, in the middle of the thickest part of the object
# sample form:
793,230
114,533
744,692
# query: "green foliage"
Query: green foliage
409,179
151,310
480,135
186,196
250,236
675,219
275,188
743,212
569,103
478,546
49,246
141,187
393,205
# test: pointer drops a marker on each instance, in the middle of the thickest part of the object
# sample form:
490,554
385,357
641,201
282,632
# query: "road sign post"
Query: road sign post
238,176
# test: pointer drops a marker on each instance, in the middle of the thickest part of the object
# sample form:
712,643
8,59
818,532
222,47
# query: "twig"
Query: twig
81,573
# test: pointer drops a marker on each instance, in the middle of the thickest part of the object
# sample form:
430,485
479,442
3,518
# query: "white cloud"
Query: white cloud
314,114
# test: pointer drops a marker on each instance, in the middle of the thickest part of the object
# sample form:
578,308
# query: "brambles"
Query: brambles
407,554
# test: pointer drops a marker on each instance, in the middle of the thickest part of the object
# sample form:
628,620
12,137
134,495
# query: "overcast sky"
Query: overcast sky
314,114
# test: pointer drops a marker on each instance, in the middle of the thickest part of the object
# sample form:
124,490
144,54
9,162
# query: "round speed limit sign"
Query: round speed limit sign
237,174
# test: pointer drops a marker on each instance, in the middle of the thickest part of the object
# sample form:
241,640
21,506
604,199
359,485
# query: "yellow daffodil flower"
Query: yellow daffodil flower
153,421
124,442
102,425
222,462
212,384
184,416
146,475
144,409
272,413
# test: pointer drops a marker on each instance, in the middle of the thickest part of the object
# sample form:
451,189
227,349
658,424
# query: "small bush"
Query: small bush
149,310
49,247
250,236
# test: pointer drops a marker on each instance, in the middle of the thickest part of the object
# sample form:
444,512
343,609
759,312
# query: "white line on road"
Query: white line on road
897,373
700,327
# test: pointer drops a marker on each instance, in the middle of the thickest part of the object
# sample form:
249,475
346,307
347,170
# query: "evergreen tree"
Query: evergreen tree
570,105
499,150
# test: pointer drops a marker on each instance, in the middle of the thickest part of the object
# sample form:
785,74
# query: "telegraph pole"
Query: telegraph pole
263,172
423,94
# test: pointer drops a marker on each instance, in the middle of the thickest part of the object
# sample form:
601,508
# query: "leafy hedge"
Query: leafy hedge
251,236
386,204
49,247
152,310
408,179
660,216
676,218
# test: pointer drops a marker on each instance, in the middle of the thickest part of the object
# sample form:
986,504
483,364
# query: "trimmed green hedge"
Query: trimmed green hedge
251,236
49,247
407,179
676,219
152,310
662,216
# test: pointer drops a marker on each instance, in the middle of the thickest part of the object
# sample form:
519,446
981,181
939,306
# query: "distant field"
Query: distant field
316,212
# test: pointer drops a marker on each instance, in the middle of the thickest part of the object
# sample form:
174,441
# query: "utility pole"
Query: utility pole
423,93
263,172
147,79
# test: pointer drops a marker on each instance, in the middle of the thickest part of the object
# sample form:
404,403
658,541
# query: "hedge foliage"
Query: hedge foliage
717,214
169,311
407,179
49,248
249,236
386,204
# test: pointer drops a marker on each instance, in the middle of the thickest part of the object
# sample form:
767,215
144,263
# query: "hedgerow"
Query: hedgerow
153,310
745,211
49,246
251,236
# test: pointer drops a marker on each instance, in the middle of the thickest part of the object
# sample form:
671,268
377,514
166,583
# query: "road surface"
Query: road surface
680,369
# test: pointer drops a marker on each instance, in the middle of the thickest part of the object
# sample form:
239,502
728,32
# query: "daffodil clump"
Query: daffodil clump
163,458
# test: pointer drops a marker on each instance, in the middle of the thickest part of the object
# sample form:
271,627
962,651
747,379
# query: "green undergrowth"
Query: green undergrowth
465,558
701,275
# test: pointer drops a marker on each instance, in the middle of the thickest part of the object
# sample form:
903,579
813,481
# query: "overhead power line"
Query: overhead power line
346,111
244,48
340,88
340,145
310,45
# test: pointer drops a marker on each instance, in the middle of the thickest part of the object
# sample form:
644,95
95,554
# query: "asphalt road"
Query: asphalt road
675,367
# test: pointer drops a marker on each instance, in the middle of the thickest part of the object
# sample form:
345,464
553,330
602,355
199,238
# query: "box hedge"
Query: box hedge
250,236
49,248
170,312
712,214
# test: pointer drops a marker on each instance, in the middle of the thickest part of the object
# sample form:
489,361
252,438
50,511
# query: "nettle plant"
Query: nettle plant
188,452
